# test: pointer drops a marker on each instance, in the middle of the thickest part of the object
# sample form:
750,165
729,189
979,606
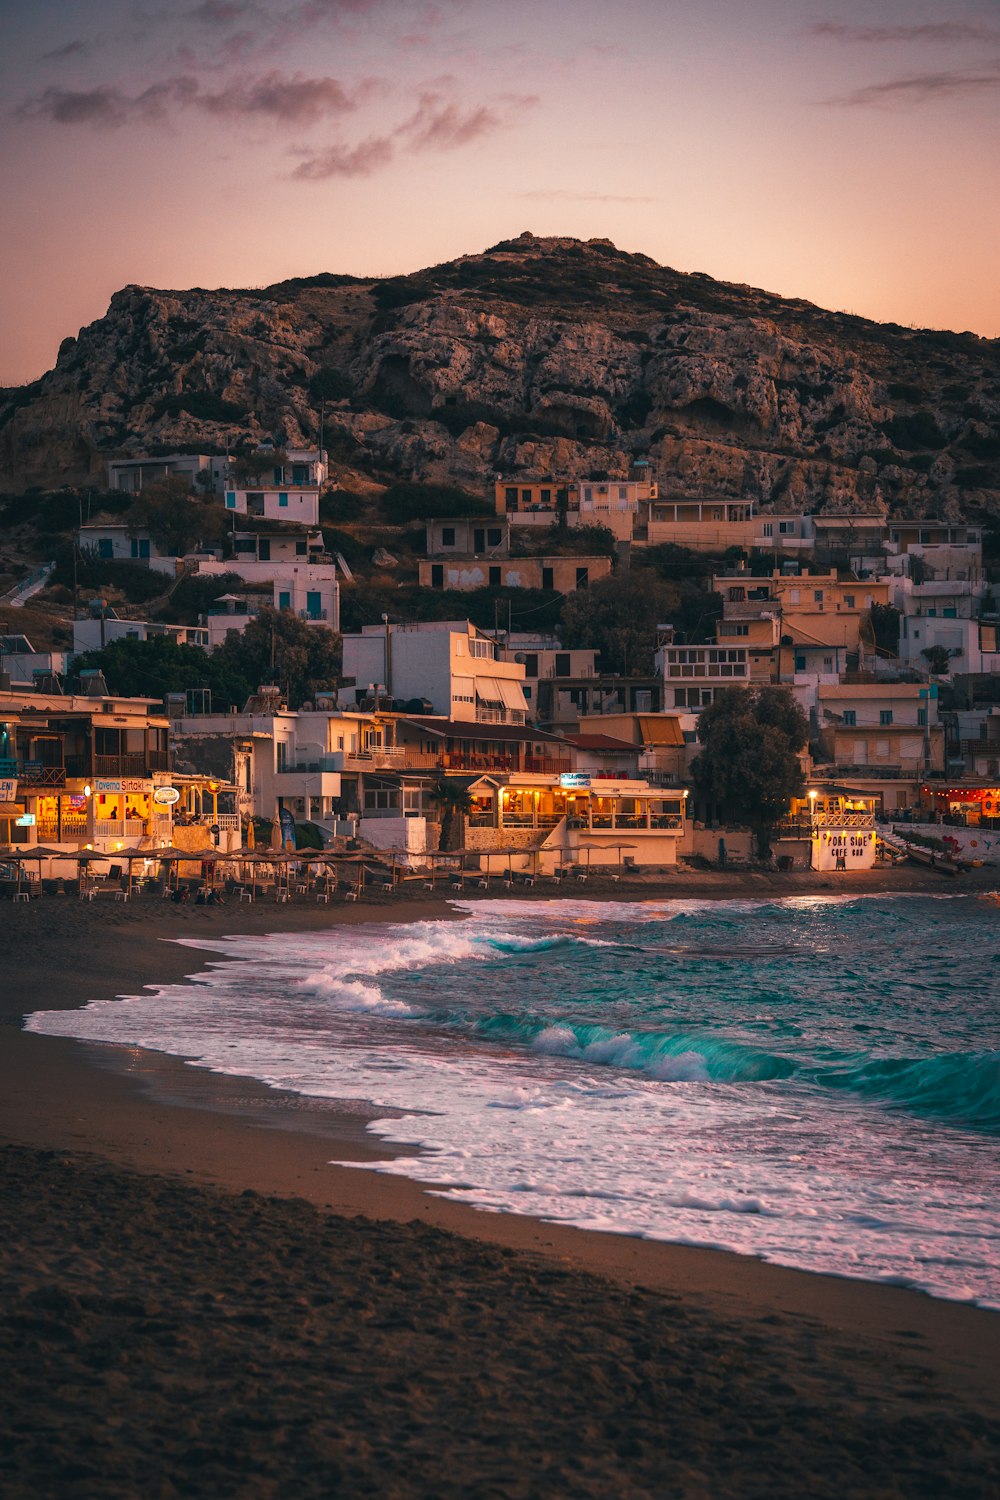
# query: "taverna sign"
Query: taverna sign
166,796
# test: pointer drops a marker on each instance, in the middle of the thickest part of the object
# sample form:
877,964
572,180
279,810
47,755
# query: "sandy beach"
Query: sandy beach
197,1303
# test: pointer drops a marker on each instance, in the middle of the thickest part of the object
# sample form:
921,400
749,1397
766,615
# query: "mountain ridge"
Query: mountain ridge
536,356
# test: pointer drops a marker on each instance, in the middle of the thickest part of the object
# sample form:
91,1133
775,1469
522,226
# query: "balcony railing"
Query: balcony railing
132,763
33,772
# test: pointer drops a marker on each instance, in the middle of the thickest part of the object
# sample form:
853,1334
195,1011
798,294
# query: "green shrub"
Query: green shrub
409,501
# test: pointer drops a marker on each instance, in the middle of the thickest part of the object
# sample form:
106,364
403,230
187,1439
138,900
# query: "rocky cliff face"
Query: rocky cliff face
538,356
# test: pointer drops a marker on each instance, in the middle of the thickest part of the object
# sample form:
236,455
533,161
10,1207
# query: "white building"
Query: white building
122,543
286,490
693,675
309,590
96,633
450,665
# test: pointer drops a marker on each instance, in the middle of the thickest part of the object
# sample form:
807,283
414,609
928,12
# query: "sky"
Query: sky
848,153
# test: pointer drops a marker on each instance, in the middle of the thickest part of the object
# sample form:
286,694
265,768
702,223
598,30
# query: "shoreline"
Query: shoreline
149,1113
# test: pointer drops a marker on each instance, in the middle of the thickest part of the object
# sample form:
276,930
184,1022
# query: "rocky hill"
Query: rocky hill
538,355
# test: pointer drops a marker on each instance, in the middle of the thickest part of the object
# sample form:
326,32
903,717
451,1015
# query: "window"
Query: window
264,549
785,528
300,474
885,715
284,599
283,500
531,664
448,536
525,497
768,528
563,664
547,578
300,549
494,578
582,577
281,749
950,614
437,576
818,596
828,664
479,540
922,717
105,547
494,536
850,718
546,496
732,629
230,500
510,499
848,601
800,663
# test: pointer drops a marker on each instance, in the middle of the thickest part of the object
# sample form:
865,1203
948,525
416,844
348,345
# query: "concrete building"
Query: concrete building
451,665
472,536
95,633
880,729
82,769
613,503
203,471
116,541
562,574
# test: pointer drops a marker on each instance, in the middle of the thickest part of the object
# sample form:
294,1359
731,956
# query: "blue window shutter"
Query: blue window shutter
284,600
283,498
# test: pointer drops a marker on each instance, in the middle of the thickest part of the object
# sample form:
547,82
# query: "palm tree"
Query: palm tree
453,798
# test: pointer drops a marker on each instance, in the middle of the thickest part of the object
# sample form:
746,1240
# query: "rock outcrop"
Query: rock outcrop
538,356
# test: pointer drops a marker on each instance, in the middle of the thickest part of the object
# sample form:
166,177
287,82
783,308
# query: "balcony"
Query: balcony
134,763
32,773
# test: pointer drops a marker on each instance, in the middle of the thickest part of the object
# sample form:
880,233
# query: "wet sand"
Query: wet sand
339,1332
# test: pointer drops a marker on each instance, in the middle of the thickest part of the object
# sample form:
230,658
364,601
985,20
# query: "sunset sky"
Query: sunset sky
844,152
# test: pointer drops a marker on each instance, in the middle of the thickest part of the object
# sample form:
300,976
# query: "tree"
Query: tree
619,616
277,646
938,660
155,667
748,767
175,520
455,801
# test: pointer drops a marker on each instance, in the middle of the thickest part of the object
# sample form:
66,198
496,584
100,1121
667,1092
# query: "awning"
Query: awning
11,810
488,690
657,729
513,695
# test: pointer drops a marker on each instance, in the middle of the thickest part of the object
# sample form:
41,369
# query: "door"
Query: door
264,549
314,604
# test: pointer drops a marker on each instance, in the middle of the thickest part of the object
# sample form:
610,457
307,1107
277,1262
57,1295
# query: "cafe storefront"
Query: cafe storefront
577,811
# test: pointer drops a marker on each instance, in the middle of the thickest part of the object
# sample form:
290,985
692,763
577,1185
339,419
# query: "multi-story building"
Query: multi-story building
692,676
882,730
83,769
203,471
561,701
281,486
458,670
613,503
545,660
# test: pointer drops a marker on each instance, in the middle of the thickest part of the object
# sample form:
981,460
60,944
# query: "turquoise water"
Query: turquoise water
814,1081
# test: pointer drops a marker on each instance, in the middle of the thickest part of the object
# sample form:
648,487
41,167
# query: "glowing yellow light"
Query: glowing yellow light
87,791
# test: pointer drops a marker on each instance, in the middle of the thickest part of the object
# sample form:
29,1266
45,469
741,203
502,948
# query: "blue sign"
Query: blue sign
574,779
287,825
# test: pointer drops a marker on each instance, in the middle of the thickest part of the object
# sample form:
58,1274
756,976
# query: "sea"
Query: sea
814,1081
